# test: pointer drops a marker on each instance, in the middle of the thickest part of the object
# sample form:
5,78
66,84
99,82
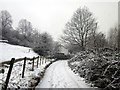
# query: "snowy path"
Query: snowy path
59,75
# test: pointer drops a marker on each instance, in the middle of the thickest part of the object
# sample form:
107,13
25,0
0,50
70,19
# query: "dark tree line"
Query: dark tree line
25,35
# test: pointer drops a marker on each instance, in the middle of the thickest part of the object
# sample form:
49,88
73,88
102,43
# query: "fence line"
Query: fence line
13,60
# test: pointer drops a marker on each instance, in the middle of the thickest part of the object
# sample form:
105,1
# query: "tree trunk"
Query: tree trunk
82,45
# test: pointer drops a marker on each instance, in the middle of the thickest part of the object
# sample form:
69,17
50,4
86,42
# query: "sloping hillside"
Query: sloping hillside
31,77
8,51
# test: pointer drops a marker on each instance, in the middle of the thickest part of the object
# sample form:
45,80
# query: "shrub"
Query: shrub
103,73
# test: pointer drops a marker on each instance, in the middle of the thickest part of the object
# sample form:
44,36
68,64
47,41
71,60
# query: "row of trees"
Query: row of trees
81,33
25,35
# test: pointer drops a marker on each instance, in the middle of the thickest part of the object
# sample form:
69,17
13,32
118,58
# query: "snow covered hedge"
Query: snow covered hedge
102,70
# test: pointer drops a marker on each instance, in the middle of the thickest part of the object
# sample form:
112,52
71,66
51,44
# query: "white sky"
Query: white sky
52,15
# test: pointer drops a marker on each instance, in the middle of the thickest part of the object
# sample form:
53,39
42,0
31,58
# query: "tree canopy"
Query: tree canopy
80,27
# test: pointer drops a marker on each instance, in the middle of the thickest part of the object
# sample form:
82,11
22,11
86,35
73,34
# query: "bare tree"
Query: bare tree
80,27
5,22
6,19
24,27
35,37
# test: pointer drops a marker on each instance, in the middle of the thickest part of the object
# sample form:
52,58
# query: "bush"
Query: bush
103,73
39,50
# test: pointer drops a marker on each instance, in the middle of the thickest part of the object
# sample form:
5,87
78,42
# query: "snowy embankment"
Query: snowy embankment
31,78
59,75
102,70
8,51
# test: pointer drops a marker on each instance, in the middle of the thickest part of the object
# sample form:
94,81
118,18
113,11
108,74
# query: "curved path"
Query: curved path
59,75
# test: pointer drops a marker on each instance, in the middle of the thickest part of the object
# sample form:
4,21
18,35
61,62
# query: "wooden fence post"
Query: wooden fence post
42,59
45,60
33,64
24,67
9,73
37,61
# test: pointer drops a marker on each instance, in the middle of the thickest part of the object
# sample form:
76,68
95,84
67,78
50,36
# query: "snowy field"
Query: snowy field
8,51
16,81
59,75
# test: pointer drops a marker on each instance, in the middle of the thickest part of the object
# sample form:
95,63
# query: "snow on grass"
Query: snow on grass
16,79
8,51
75,63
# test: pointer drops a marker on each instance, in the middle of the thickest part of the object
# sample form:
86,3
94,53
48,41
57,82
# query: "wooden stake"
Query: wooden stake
33,64
9,73
24,67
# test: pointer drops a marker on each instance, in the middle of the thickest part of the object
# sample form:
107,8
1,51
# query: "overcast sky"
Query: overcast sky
52,15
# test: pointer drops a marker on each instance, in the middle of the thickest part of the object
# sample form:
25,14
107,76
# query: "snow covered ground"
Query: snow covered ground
59,75
8,51
16,79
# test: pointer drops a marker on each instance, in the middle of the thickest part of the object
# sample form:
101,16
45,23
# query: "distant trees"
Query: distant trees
5,23
25,30
24,27
101,41
25,35
47,43
97,41
41,43
72,49
56,47
113,37
6,19
45,46
79,28
35,38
